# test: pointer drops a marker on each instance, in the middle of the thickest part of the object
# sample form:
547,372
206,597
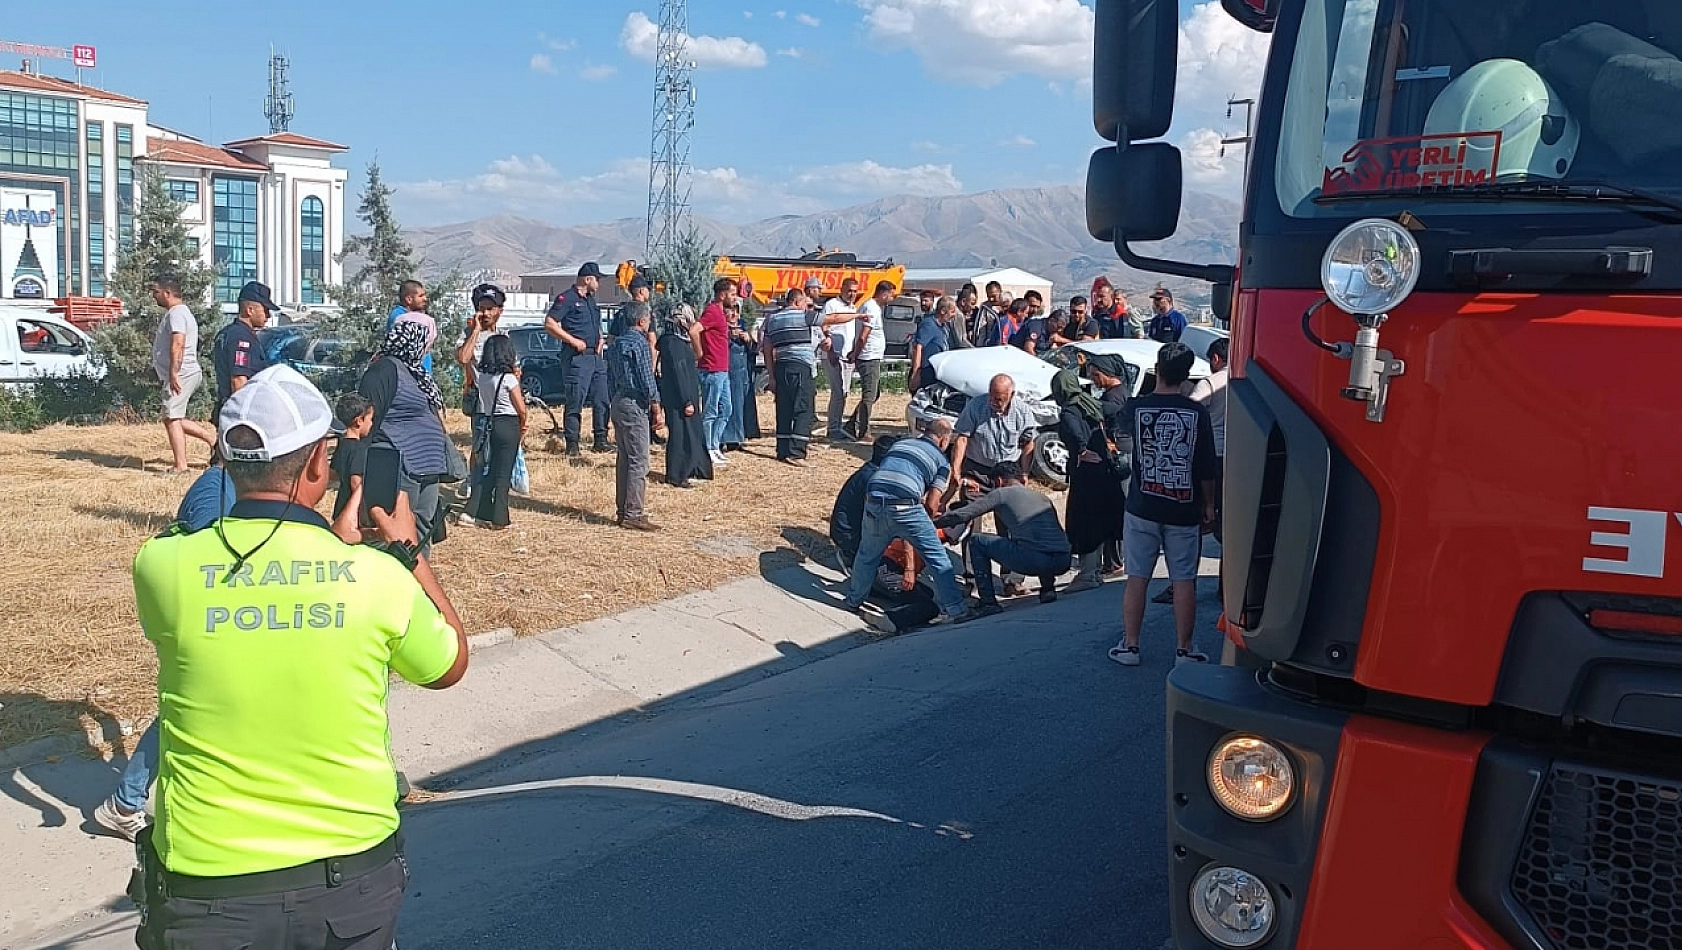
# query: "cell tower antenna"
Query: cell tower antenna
674,120
277,108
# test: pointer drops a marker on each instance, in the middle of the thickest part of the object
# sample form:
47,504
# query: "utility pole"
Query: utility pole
277,108
1249,107
674,119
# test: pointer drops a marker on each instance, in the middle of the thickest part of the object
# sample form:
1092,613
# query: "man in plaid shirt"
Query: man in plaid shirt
634,403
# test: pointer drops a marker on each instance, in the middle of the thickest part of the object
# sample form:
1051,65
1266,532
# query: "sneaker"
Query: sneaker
574,452
1124,654
952,620
123,824
1182,657
467,521
639,524
1081,584
718,457
877,619
989,609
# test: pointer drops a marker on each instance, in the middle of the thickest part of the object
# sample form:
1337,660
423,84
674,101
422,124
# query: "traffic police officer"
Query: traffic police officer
238,353
576,321
277,826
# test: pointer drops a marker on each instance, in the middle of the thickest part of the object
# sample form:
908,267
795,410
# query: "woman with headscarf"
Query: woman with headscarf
409,416
687,457
743,423
1097,497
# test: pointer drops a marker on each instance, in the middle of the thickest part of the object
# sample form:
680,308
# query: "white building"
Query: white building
270,208
948,280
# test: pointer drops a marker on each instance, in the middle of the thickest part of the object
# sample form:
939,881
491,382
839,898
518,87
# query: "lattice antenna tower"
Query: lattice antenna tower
277,107
674,120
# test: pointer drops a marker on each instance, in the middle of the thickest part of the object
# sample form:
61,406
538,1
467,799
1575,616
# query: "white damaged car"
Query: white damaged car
962,375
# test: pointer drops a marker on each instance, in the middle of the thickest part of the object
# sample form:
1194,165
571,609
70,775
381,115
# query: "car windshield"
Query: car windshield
1537,100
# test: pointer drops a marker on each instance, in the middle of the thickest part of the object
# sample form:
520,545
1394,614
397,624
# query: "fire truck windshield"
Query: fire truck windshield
1536,101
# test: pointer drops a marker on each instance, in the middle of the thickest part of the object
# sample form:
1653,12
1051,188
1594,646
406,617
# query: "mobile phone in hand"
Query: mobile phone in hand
379,480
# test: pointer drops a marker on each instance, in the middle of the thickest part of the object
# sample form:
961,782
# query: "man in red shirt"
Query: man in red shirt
711,338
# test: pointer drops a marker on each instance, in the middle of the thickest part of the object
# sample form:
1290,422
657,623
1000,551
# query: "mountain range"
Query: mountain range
1041,230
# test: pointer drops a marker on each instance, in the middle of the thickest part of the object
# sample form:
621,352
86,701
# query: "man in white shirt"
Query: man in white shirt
175,358
838,355
869,347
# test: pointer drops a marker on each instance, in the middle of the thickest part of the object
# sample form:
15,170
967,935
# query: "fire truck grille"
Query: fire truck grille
1600,867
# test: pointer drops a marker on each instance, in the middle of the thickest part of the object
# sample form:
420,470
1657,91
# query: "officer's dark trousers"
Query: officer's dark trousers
795,412
586,386
359,914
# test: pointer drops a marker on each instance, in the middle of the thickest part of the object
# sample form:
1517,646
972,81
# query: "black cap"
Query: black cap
589,270
639,282
257,293
1162,292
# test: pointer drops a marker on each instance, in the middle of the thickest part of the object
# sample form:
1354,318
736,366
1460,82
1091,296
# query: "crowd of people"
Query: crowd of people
245,847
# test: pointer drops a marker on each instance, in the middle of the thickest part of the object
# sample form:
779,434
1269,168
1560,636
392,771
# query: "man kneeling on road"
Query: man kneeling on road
1035,544
905,487
277,818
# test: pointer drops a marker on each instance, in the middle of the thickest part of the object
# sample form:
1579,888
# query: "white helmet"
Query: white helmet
1539,134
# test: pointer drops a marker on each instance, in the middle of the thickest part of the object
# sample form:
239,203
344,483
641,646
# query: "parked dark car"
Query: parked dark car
542,370
328,361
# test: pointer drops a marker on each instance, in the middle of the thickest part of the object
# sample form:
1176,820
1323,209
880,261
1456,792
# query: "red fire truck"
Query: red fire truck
1450,487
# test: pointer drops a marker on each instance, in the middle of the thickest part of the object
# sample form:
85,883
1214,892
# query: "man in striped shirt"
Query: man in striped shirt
787,344
635,401
905,487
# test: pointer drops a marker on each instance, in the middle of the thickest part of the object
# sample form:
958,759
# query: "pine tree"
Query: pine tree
685,273
161,247
385,261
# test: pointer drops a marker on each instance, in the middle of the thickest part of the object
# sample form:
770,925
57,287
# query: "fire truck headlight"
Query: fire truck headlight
1251,778
1371,267
1232,907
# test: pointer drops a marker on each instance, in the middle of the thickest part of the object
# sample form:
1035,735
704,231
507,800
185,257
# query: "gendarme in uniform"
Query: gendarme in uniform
276,816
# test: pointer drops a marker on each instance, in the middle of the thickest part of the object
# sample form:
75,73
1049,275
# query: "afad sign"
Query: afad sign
1454,160
21,217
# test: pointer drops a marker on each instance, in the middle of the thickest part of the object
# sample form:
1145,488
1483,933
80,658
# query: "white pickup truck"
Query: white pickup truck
34,343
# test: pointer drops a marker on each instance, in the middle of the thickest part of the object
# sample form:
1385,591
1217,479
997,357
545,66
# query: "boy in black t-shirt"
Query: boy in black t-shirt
350,459
1170,500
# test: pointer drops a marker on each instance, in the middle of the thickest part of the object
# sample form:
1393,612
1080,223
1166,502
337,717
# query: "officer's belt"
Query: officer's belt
327,872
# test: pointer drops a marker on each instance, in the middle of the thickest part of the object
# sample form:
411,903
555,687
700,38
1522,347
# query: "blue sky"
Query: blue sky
542,109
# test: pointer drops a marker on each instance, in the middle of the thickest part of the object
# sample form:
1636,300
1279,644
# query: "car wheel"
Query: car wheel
1049,462
531,386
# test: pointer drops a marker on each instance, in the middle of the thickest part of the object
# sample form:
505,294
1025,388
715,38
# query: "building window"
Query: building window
41,138
182,190
193,247
125,188
312,250
96,208
235,247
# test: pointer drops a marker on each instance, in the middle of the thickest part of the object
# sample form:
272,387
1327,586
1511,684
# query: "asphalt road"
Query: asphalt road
997,785
1009,774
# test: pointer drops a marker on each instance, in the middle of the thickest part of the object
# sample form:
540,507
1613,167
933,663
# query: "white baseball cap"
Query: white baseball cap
283,408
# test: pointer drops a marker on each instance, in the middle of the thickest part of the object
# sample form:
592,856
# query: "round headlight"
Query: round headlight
1371,267
1251,778
1232,907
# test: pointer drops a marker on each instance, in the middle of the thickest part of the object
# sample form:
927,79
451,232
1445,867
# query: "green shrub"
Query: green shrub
20,410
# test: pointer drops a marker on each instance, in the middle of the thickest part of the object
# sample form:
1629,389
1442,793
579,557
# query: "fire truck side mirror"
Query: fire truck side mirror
1135,45
1258,15
1133,193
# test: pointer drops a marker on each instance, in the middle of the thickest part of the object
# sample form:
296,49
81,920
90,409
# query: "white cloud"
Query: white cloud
982,42
542,64
870,178
793,52
747,14
1219,58
1206,168
806,19
557,44
782,14
926,146
1018,141
596,73
532,187
641,36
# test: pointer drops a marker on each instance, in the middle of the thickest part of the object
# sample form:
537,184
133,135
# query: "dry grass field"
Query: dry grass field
79,501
